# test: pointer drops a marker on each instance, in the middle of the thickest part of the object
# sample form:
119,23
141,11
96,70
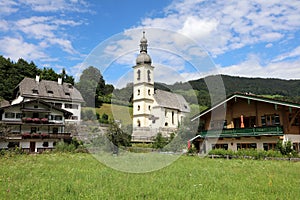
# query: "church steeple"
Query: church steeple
143,45
143,57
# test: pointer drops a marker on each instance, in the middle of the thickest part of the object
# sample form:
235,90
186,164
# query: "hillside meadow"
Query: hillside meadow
81,176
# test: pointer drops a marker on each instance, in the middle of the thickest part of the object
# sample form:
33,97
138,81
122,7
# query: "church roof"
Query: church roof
171,100
45,89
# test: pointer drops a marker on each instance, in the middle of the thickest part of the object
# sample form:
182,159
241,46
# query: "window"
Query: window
71,106
220,146
35,91
10,115
138,75
246,146
270,120
58,117
45,144
67,93
13,144
269,146
33,130
55,130
149,107
50,92
58,105
139,107
18,115
139,123
149,92
173,115
74,117
139,92
148,73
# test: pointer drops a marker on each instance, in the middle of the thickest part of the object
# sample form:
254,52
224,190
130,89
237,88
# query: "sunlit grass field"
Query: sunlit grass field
81,176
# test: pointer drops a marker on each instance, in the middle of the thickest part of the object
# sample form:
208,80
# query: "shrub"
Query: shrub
64,147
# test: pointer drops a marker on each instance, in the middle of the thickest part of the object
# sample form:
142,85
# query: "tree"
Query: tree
118,137
91,84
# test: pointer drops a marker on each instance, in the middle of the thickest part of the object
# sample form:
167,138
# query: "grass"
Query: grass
114,111
81,176
117,112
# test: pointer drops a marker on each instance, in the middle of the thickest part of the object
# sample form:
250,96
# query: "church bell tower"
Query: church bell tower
143,87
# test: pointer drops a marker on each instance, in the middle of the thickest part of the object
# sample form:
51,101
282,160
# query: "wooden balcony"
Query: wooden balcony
244,132
46,135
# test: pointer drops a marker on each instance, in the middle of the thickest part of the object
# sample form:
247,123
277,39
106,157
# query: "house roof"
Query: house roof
4,103
250,97
40,102
45,89
171,100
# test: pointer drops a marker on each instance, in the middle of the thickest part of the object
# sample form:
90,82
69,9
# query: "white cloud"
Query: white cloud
294,53
4,25
253,68
8,7
16,48
221,26
57,5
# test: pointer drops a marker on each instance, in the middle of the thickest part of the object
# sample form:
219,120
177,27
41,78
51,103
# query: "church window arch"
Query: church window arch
173,115
149,77
138,123
138,75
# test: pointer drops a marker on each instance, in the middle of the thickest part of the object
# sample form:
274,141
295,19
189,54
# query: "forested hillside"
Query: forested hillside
288,90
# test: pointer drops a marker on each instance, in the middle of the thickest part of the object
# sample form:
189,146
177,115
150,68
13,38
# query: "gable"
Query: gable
249,98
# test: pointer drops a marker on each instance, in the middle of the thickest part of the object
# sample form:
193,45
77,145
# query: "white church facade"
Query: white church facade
154,111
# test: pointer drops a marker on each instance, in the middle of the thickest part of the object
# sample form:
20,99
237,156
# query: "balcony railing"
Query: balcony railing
45,135
244,132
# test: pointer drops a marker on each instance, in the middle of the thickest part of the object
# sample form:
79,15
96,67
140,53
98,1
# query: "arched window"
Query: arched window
149,107
139,107
172,117
138,75
139,92
149,92
149,78
138,123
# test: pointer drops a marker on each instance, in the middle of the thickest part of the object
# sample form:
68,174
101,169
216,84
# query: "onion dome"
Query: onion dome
143,57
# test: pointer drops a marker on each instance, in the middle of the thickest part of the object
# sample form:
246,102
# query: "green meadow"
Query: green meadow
81,176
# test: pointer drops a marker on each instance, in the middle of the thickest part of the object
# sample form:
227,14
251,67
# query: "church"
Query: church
154,111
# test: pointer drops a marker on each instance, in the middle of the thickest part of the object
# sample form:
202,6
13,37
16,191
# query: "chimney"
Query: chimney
37,78
59,81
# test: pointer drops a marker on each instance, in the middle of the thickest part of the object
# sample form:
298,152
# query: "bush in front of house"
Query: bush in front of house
249,153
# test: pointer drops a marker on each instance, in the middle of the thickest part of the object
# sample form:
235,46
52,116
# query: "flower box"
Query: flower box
35,135
36,120
44,120
26,135
28,119
45,135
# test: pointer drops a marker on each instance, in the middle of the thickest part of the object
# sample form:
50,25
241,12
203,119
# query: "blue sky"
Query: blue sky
251,38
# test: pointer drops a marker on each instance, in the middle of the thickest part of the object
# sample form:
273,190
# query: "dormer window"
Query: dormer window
34,91
50,92
67,93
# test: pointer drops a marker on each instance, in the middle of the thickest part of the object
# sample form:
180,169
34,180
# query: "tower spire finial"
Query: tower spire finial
143,45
